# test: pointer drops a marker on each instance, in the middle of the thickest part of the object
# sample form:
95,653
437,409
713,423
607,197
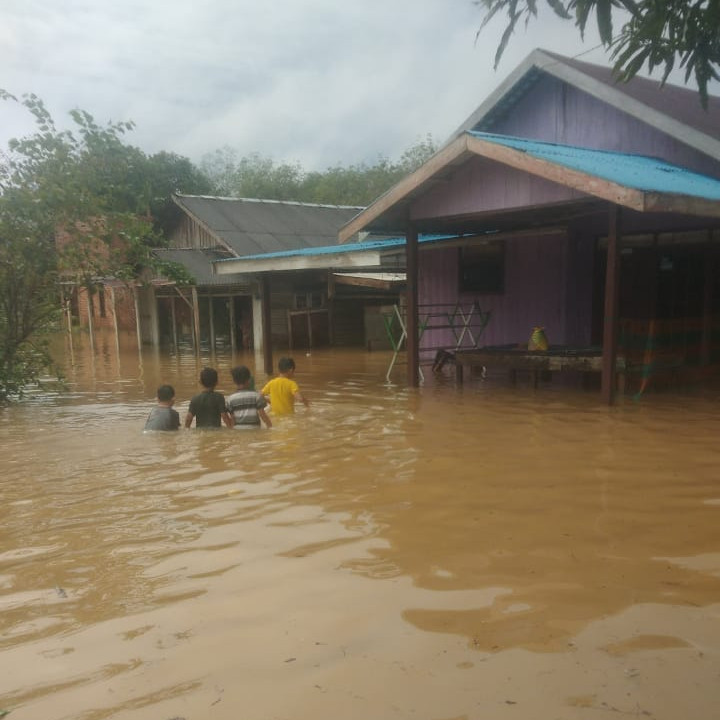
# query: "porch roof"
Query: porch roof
638,182
366,254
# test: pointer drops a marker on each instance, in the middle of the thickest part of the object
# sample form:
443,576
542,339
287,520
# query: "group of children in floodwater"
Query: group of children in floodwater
244,408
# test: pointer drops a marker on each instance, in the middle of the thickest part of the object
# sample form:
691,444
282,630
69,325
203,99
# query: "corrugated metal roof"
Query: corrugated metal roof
250,226
633,171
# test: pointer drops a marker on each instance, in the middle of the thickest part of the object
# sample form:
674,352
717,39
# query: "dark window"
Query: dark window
482,268
309,300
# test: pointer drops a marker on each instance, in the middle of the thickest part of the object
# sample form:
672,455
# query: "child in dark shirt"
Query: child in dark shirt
208,407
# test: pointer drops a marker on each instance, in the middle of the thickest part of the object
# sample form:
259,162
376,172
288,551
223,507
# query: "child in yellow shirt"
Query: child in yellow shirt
282,391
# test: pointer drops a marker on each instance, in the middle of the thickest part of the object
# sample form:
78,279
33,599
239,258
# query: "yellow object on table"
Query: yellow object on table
538,339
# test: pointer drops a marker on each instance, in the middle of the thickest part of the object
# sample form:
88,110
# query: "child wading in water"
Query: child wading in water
162,416
246,406
208,407
283,390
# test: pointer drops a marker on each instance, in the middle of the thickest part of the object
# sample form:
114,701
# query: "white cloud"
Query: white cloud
318,81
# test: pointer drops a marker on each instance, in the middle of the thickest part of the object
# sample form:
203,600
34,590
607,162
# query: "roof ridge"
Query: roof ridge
270,201
618,84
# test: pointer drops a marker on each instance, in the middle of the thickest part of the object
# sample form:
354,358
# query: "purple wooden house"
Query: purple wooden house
585,207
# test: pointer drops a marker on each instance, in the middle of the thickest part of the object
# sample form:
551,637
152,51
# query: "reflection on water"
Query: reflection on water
478,552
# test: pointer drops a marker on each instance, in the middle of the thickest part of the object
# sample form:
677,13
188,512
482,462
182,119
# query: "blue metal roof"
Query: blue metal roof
638,172
386,244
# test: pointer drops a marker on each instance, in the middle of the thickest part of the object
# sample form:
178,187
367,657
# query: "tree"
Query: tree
657,33
75,206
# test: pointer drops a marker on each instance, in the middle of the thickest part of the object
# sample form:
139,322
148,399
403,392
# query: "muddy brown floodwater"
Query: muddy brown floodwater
486,552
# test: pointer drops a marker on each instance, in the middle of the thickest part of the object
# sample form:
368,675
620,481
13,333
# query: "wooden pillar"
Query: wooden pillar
138,328
154,320
289,329
67,307
233,333
708,289
173,317
68,311
196,319
265,291
612,296
212,323
411,320
115,320
331,307
91,325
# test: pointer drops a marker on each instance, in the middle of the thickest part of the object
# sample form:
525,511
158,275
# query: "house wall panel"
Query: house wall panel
483,185
190,234
537,292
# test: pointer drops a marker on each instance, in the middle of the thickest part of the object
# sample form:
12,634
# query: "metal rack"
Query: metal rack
467,323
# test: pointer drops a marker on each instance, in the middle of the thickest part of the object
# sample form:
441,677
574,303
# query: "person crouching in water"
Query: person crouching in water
283,390
163,416
208,407
247,406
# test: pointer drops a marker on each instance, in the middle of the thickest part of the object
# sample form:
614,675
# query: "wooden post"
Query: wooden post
266,323
290,328
331,307
138,329
411,321
196,319
707,320
154,321
68,311
173,317
91,327
612,296
233,333
212,323
115,320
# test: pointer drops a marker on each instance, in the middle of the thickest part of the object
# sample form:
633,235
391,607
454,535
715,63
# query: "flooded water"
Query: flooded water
439,553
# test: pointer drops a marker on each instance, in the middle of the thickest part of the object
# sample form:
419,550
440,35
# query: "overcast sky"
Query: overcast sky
319,82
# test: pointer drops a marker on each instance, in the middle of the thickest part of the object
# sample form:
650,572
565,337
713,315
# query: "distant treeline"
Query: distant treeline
255,176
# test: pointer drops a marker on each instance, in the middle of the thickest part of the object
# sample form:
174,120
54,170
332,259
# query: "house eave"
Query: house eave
360,259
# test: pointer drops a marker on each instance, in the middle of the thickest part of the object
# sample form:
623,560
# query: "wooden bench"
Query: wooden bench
515,358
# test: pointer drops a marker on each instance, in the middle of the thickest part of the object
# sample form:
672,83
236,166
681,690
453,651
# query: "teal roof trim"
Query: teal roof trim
387,244
638,172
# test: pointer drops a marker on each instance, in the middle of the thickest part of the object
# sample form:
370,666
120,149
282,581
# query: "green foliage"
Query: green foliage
75,206
653,33
255,176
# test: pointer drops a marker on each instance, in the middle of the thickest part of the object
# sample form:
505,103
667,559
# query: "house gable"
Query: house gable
670,110
554,111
